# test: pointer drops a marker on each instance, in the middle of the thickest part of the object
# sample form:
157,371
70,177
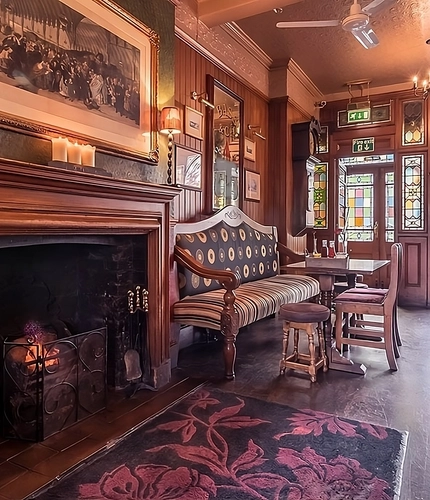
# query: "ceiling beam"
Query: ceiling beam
214,13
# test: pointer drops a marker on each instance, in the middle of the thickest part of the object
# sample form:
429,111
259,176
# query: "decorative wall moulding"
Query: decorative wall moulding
116,107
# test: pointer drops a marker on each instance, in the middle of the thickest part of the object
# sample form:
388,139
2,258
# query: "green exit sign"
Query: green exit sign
366,145
358,115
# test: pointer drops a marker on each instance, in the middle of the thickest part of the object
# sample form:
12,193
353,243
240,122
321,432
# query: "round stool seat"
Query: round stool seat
305,312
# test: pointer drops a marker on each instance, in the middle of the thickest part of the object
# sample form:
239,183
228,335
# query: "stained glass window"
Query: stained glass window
320,195
389,210
360,207
413,193
413,123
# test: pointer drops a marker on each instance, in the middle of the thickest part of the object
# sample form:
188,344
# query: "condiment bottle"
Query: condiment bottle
324,249
331,250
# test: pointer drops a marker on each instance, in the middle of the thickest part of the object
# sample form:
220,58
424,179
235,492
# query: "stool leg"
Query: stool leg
321,342
296,344
312,370
285,339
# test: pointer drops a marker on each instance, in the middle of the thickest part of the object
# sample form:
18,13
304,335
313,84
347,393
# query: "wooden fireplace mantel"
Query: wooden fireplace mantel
42,200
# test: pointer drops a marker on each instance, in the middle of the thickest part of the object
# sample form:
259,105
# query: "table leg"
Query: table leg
335,359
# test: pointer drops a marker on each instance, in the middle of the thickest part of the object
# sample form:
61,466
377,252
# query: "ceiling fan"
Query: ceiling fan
356,23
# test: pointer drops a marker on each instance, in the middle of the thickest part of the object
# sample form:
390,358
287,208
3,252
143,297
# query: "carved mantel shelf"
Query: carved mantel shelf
42,200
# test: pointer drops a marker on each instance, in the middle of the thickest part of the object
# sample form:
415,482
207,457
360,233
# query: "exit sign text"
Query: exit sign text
366,145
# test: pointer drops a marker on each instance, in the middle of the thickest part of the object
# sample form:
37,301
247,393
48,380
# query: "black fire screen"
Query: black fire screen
52,384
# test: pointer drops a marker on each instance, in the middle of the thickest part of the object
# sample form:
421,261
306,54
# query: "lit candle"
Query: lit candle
88,155
74,153
415,80
59,148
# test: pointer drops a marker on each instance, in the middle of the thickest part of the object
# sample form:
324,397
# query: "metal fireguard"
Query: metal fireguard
47,387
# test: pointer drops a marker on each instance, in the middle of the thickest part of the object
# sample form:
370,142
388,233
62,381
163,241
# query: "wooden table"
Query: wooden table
326,277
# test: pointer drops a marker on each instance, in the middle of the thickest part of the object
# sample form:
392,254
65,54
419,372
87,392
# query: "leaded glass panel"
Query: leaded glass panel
413,193
320,196
360,207
389,210
413,123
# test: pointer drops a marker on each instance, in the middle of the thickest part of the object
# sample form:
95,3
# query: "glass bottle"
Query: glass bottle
331,250
324,249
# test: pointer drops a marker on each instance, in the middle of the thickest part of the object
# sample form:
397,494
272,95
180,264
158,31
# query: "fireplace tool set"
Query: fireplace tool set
137,303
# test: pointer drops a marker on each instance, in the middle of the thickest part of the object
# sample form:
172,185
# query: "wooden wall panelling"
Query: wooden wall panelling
414,290
191,69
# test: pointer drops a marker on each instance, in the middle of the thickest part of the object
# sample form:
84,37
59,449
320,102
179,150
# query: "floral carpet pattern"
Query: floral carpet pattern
215,444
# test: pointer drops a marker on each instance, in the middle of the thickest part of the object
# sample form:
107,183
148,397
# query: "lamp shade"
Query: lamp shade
170,120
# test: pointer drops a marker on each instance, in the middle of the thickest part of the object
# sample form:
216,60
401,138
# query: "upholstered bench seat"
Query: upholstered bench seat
228,276
255,300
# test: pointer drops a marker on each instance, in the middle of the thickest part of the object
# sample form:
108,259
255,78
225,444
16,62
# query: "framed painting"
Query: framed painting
193,123
188,172
80,68
249,153
252,185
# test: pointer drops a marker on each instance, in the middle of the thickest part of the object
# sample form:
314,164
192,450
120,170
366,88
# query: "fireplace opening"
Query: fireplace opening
74,284
62,298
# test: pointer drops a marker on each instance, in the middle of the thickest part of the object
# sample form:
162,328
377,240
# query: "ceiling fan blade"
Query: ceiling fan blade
366,37
307,24
377,5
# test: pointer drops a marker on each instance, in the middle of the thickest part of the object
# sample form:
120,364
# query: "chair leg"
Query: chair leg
396,326
339,328
388,339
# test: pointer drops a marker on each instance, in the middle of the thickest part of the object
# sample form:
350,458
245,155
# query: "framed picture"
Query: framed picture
234,152
323,140
188,171
249,153
96,82
252,185
193,123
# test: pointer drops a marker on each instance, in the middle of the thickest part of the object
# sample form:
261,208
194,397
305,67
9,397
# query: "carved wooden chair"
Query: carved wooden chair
382,303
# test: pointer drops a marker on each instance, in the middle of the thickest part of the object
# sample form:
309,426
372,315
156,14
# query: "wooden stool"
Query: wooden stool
302,317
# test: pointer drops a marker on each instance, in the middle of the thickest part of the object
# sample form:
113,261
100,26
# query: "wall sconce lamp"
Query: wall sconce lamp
170,124
203,100
421,91
258,134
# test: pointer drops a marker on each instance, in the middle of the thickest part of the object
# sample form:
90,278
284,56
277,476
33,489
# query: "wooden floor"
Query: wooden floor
400,400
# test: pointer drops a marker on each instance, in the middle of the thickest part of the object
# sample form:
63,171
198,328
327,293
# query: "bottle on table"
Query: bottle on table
331,250
324,249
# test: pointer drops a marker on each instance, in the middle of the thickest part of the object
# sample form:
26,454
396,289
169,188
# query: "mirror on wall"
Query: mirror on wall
226,138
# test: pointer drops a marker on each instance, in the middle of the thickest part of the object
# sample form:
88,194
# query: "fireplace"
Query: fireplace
122,226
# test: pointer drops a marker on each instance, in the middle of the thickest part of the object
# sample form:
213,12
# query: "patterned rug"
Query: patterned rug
215,444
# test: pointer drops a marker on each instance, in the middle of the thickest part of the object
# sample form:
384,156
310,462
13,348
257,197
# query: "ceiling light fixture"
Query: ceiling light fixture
421,91
278,10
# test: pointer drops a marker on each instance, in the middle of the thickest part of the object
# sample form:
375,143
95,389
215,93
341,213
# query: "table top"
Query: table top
355,266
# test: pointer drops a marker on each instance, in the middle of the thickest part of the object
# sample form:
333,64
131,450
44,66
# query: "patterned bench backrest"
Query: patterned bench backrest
241,248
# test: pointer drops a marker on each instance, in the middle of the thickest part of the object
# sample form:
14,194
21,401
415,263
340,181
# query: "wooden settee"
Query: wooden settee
229,276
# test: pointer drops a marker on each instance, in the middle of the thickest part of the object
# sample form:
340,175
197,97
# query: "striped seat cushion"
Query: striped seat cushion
254,300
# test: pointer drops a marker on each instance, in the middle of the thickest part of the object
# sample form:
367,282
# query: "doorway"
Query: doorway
369,209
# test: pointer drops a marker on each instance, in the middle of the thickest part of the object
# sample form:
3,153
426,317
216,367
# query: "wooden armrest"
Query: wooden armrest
292,256
229,280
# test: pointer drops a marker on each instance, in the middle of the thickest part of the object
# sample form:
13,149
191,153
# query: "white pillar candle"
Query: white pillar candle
88,155
59,148
74,153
